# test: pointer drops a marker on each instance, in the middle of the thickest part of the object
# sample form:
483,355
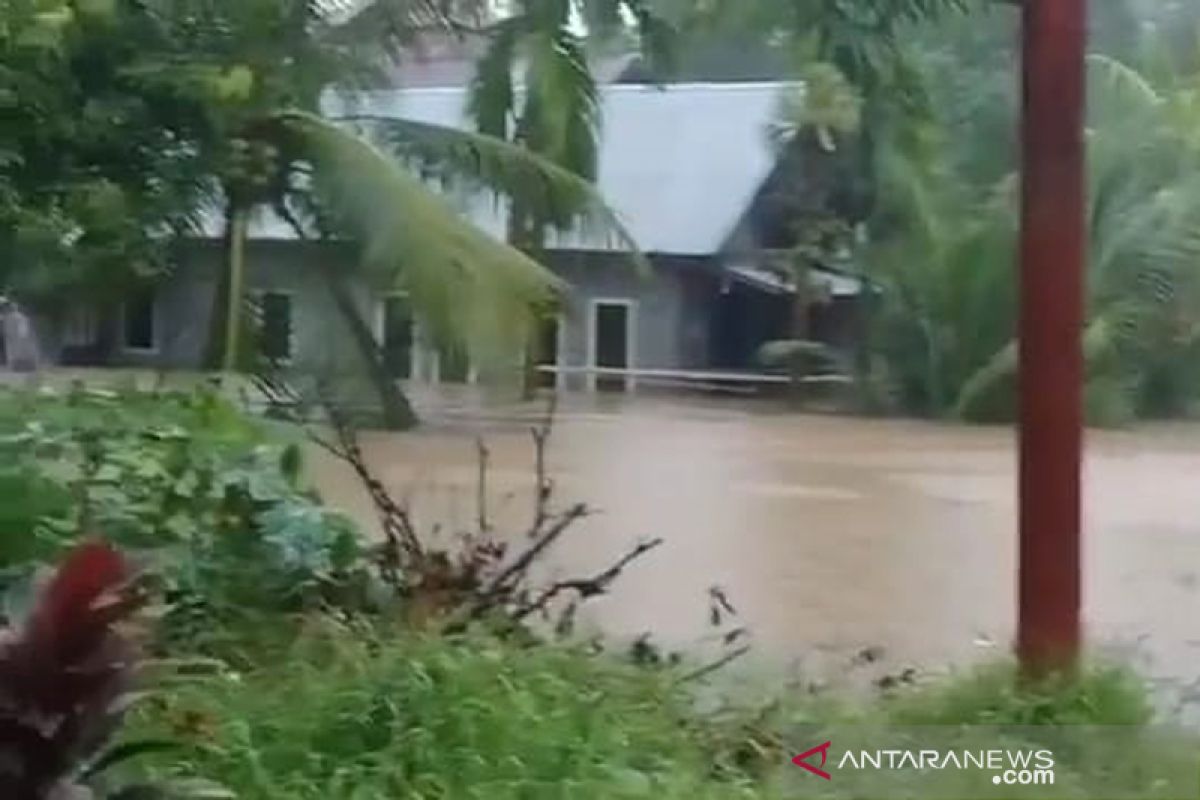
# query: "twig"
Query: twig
720,663
522,563
586,587
721,602
401,543
544,488
481,486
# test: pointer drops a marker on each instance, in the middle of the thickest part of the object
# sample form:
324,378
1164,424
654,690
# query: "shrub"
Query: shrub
210,500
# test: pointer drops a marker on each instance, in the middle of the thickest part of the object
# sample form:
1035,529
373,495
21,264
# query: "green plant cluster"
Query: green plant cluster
355,712
390,713
213,505
944,238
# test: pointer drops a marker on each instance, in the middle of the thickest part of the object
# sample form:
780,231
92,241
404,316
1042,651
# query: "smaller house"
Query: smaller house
684,166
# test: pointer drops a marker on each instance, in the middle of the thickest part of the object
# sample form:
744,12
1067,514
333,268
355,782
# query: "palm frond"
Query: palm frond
561,117
506,170
468,288
394,24
825,102
658,32
603,18
491,99
1121,83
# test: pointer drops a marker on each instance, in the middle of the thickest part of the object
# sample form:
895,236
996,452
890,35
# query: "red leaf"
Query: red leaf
76,608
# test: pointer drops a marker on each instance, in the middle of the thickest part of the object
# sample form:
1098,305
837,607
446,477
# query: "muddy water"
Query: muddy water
829,534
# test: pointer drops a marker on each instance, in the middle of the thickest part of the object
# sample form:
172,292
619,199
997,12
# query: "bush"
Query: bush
210,500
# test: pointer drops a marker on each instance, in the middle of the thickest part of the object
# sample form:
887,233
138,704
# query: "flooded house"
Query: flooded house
689,169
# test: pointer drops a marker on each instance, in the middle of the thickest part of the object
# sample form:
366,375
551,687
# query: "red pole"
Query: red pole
1051,324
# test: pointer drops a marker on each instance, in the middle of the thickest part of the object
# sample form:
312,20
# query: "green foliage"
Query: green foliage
346,714
476,161
130,119
800,354
92,183
828,105
463,282
945,239
181,481
558,114
348,710
997,695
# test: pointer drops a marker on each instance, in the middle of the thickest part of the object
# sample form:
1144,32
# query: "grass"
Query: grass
348,710
995,695
349,713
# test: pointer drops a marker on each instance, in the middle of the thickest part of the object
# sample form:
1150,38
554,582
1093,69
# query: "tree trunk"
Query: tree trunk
864,328
397,413
214,347
800,304
866,179
239,224
525,234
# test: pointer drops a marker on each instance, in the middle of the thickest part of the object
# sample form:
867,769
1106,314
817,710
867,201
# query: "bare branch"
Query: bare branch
481,486
720,663
500,585
544,486
586,587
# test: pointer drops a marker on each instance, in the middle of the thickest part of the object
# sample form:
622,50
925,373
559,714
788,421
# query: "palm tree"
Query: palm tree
948,264
869,42
255,73
534,87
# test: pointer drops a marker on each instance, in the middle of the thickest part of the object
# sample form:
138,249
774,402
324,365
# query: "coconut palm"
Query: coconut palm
255,74
948,268
534,86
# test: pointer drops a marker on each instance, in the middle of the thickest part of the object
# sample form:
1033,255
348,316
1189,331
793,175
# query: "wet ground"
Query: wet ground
830,534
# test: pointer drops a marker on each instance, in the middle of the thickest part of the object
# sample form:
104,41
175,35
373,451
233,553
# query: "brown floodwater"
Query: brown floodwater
829,534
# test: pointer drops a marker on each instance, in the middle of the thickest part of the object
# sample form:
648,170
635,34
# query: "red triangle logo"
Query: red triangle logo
802,760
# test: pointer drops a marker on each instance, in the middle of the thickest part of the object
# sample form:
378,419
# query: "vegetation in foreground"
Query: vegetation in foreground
389,713
352,711
294,685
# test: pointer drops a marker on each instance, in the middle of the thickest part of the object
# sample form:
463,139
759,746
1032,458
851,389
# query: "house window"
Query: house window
139,329
81,327
275,325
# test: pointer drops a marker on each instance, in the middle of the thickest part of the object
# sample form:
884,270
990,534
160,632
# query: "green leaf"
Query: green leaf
507,170
126,751
467,286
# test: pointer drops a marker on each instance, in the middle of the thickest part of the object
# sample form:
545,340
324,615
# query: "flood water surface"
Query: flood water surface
829,534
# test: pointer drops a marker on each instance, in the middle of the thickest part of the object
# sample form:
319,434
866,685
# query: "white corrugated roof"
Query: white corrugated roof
680,164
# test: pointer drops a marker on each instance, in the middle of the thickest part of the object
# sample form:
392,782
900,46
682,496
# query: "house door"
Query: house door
612,323
397,336
547,352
